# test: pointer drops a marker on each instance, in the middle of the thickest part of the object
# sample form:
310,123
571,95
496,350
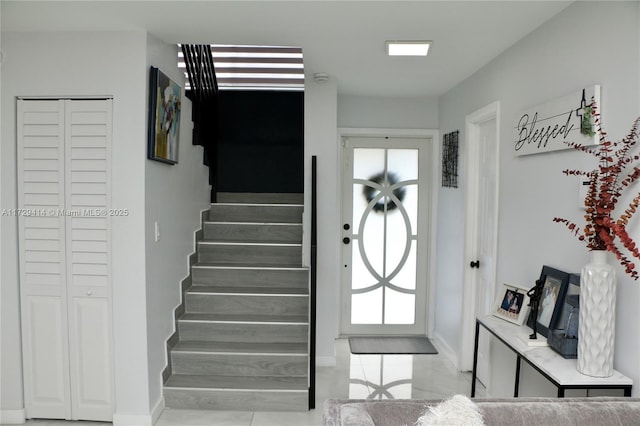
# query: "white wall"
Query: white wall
588,43
320,139
391,113
174,197
86,64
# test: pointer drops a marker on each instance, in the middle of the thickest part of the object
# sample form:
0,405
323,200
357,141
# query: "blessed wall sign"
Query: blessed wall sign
547,126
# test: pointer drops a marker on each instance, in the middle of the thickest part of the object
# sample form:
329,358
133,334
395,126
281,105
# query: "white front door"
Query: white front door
385,235
481,231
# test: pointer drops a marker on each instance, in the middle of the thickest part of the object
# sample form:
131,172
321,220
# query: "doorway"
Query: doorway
386,199
480,232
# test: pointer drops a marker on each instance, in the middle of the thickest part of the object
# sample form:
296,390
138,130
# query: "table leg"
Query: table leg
560,392
475,361
517,384
627,391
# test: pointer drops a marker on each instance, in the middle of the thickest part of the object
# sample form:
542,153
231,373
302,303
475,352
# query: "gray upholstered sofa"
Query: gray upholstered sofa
600,411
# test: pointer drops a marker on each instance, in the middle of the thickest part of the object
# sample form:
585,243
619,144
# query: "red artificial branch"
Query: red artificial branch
607,184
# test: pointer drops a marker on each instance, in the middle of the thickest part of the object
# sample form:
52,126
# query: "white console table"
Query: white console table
560,371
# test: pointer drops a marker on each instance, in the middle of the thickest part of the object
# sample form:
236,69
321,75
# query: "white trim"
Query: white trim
132,419
467,325
157,410
12,417
435,165
444,349
326,361
72,98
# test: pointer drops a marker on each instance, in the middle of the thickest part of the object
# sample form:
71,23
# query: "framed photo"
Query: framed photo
569,310
551,299
512,304
165,103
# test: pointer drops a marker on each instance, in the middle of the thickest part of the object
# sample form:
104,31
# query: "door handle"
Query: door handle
475,264
346,240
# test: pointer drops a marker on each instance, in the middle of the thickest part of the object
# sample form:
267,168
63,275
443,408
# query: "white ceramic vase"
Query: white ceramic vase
597,327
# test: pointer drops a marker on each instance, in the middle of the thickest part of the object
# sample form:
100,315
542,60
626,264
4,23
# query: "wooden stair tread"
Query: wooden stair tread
251,223
253,265
249,348
249,266
240,319
258,383
257,291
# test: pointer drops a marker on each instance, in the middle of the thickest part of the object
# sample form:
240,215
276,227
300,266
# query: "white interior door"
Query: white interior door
40,132
481,232
88,136
63,197
385,234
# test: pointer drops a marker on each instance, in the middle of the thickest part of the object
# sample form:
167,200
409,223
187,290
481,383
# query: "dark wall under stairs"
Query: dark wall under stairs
261,141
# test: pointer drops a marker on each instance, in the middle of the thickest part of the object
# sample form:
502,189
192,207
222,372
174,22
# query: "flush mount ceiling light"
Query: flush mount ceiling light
408,48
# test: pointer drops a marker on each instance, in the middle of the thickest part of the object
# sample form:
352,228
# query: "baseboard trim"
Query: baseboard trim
443,347
157,410
326,361
132,420
13,417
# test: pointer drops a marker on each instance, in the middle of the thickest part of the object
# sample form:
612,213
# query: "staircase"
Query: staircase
242,337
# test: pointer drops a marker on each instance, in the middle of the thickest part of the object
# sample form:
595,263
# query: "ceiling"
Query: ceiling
343,38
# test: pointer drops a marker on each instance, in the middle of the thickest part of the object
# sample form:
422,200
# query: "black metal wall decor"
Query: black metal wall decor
450,160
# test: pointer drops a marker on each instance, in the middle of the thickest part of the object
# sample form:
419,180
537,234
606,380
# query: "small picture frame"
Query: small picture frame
564,337
512,304
165,103
551,299
569,309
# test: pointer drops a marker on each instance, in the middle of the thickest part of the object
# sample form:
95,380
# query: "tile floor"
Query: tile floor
355,376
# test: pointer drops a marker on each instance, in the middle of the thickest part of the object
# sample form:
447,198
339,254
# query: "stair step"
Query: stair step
249,291
211,392
220,382
253,232
243,318
256,213
243,328
252,348
249,276
267,198
246,303
239,363
249,253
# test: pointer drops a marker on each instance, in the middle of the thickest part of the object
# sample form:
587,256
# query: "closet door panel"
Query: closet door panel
48,382
88,128
91,387
41,194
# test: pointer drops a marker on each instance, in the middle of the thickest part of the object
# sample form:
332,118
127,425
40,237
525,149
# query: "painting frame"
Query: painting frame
552,298
568,317
512,304
165,104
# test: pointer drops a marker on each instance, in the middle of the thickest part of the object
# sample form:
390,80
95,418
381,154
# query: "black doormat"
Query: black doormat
391,345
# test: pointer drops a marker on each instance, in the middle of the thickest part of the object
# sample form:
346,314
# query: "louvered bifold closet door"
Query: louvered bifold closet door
88,136
63,199
43,280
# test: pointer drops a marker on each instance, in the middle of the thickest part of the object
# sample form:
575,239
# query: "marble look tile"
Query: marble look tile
312,418
354,376
175,417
